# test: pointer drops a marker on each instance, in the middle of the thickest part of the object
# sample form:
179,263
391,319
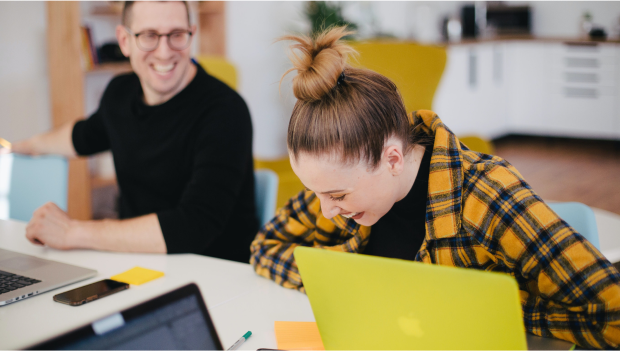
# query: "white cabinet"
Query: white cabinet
531,87
471,96
526,69
582,94
456,97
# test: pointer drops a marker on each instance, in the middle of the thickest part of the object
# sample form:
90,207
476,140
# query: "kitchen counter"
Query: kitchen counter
528,37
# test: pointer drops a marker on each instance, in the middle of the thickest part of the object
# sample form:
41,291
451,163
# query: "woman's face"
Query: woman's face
353,191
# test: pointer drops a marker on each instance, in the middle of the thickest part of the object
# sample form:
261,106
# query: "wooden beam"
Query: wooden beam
66,79
212,17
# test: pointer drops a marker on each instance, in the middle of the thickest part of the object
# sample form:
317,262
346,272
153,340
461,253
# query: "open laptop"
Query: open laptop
177,320
23,276
363,302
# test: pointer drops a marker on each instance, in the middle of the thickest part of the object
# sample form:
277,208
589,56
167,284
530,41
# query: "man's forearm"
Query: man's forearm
140,234
56,142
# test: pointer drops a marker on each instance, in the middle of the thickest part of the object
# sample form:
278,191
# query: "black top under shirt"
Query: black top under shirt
189,160
400,232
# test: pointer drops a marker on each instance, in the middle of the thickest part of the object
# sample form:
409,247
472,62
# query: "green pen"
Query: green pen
240,341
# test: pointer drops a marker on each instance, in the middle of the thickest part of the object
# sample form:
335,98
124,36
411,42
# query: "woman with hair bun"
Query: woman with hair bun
383,182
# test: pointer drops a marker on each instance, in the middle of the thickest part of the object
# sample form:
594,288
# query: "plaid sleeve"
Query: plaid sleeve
300,223
569,290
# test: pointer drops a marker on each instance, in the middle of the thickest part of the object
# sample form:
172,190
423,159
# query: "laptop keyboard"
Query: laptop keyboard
10,281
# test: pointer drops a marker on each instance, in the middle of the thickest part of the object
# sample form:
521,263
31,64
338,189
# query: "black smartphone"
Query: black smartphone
90,292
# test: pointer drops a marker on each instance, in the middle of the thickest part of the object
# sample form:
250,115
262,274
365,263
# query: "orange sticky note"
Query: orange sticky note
298,336
137,276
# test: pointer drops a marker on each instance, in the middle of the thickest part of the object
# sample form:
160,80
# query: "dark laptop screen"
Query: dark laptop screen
170,322
177,326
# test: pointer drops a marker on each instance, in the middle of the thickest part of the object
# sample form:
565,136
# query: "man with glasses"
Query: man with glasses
182,147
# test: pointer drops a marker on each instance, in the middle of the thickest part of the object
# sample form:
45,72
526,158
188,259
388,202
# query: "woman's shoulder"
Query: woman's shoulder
495,172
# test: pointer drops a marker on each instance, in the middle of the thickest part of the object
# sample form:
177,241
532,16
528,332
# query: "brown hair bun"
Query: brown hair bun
351,118
319,62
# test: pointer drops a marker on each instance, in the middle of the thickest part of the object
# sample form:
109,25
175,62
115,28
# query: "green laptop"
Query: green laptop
363,302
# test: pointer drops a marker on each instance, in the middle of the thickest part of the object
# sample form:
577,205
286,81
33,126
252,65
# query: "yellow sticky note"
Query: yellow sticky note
298,336
137,276
4,143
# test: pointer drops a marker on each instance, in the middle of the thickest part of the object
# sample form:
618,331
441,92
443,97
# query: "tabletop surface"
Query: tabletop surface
237,299
220,281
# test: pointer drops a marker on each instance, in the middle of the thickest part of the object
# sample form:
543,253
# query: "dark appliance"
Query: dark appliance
505,20
509,20
468,21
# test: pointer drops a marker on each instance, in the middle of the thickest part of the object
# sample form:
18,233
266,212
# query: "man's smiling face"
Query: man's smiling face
163,72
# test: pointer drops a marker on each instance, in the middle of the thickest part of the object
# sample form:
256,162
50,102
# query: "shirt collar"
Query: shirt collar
445,183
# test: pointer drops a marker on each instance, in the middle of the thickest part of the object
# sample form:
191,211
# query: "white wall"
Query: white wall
251,29
562,19
24,86
421,20
413,20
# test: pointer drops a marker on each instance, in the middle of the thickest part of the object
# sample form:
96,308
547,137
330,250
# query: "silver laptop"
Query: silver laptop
23,276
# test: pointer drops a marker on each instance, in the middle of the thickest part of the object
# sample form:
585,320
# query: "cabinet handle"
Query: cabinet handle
577,77
587,93
497,65
473,69
580,62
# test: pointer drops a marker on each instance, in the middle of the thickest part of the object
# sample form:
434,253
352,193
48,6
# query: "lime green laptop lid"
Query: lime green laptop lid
363,302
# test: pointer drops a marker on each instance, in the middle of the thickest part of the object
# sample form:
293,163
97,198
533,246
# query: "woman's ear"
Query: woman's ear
394,159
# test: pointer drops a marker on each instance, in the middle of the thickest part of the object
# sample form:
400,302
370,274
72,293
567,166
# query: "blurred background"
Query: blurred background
534,82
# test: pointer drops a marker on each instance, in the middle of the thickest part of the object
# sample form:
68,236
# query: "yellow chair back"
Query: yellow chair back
415,69
289,185
220,68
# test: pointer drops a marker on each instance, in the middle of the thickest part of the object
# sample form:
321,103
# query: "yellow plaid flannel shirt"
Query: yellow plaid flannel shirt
480,214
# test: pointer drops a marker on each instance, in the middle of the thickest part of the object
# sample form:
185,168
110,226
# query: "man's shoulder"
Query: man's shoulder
121,85
219,98
124,81
216,87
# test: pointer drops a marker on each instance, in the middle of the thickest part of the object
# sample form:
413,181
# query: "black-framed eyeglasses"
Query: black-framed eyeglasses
149,40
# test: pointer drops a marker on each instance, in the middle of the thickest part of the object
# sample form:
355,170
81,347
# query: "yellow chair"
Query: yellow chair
289,185
220,68
415,69
478,144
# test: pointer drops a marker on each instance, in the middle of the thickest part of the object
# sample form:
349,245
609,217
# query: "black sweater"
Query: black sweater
189,160
401,231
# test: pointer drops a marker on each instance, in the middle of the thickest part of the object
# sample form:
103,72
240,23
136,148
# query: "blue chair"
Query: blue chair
266,192
580,217
26,183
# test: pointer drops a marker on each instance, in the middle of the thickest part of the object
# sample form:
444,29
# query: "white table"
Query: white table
238,300
608,224
221,282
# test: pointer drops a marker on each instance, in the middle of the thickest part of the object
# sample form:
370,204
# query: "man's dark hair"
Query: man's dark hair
126,17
